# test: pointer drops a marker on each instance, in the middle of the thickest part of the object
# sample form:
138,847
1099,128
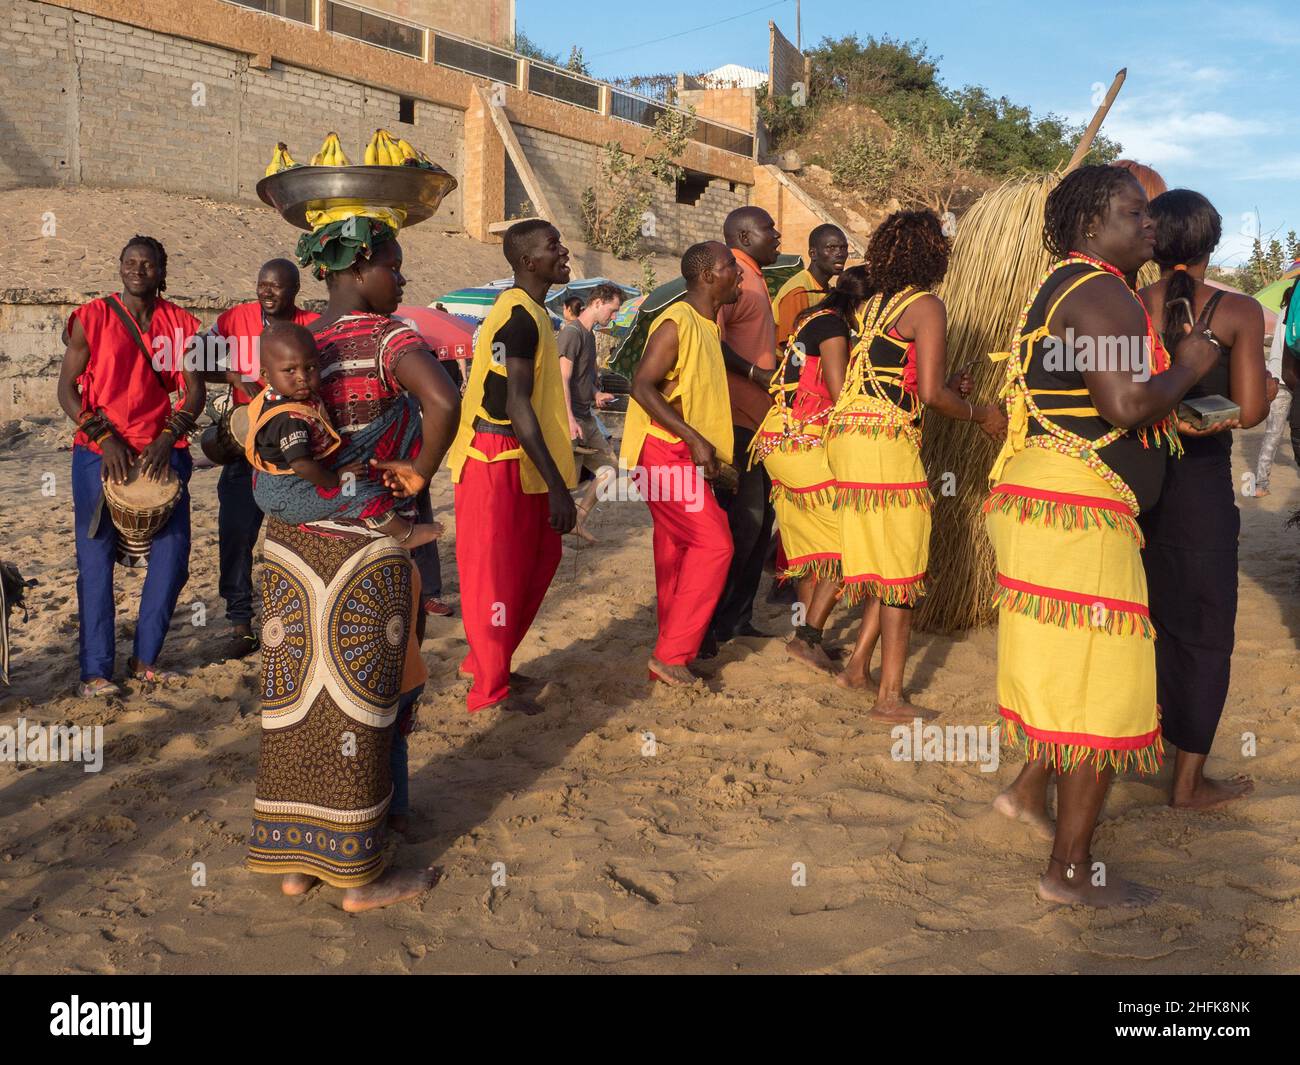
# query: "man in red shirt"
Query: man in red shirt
125,356
238,518
748,330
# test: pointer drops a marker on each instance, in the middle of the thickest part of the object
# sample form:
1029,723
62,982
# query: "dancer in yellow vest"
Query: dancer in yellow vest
874,446
678,438
1090,394
512,463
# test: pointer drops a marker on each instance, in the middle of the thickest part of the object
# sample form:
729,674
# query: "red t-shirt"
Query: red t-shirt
122,381
749,330
244,323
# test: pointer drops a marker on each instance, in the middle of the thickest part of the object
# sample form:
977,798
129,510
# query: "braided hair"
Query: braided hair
1081,198
908,249
1188,229
852,289
155,246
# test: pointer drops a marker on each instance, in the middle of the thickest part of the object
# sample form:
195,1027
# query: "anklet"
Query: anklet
1071,868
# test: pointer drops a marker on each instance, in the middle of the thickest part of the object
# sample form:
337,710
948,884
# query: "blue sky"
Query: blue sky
1212,99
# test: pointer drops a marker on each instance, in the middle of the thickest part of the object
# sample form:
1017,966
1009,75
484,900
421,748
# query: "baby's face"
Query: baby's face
291,369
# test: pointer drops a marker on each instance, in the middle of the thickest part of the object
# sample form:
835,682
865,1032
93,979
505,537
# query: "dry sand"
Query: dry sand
680,861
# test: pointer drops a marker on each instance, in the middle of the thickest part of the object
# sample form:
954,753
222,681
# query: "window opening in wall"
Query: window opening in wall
406,110
691,186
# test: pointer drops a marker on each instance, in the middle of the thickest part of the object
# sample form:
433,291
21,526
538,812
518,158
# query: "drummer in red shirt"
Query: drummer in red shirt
238,518
125,356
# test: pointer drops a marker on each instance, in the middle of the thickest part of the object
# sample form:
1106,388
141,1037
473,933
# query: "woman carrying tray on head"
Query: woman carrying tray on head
340,658
1085,454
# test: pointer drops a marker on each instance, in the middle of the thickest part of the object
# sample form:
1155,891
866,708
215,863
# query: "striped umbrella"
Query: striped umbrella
448,335
473,303
1271,295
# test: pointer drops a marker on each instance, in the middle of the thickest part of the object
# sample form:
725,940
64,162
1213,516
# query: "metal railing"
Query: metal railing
496,64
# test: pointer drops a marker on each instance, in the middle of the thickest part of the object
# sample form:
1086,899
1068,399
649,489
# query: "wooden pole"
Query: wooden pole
1094,127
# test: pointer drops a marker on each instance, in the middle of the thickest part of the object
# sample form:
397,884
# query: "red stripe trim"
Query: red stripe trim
1014,585
830,556
813,488
875,577
1062,497
1083,739
883,484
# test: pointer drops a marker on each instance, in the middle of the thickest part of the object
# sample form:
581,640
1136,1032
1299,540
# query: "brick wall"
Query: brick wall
566,167
117,105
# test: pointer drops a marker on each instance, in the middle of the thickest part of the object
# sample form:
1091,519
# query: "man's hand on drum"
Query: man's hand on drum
156,459
116,461
400,476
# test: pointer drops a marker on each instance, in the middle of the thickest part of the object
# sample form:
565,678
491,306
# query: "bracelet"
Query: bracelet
181,423
407,536
752,367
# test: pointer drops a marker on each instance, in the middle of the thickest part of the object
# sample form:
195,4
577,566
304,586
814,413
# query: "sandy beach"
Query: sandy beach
575,842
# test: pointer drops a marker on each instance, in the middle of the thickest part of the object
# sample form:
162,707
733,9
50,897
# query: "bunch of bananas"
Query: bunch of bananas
383,150
331,153
280,160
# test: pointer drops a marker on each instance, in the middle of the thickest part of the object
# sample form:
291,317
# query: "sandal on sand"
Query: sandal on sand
151,674
97,686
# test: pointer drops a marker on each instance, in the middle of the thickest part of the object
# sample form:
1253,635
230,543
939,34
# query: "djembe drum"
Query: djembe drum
139,508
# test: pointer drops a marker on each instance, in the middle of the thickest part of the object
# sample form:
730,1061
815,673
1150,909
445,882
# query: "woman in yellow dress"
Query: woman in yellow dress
874,446
790,445
1090,392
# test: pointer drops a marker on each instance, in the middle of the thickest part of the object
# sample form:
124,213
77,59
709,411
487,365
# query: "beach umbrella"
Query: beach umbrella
473,303
581,288
621,323
449,336
1271,295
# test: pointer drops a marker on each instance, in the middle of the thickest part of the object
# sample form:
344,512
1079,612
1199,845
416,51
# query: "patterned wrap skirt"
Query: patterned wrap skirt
803,495
883,503
338,648
1076,652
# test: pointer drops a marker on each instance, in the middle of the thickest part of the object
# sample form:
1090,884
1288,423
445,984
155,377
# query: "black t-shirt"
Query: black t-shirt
516,339
283,438
811,335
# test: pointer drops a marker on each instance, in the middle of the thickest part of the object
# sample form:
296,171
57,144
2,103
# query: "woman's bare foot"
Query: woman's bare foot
673,676
1081,889
895,708
1206,794
580,531
295,884
1012,805
422,534
810,654
392,887
852,681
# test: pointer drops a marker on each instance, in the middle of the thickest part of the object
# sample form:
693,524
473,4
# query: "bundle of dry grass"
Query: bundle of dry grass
998,259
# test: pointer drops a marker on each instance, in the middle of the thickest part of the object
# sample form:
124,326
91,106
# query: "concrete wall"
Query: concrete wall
566,167
117,105
786,64
492,21
732,107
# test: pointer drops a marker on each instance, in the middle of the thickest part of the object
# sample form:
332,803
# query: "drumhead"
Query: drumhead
139,493
239,424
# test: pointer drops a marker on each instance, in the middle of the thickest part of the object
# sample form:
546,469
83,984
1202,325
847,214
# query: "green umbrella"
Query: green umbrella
1271,296
629,352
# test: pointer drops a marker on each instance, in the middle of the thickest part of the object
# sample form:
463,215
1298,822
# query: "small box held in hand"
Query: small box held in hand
1205,412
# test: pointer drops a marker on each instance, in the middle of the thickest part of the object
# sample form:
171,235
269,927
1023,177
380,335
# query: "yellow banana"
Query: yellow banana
388,153
407,149
280,160
372,151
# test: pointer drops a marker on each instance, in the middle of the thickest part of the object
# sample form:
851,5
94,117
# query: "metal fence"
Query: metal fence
547,81
374,29
474,59
297,10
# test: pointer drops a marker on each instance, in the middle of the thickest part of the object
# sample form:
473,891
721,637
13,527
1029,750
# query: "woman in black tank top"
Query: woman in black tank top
1191,532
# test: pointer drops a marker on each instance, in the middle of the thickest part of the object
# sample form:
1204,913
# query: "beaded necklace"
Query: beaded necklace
863,387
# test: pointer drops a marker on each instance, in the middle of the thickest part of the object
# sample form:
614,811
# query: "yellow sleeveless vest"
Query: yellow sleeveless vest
699,379
547,399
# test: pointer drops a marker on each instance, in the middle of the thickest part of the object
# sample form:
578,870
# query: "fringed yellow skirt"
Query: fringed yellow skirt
883,503
803,496
1076,657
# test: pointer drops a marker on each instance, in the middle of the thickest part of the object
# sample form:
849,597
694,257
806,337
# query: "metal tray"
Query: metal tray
295,191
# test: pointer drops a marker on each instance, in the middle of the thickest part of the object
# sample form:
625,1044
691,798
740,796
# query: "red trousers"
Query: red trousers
507,553
692,545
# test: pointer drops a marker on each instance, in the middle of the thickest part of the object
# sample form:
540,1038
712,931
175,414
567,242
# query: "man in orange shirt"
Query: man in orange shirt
748,334
828,250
